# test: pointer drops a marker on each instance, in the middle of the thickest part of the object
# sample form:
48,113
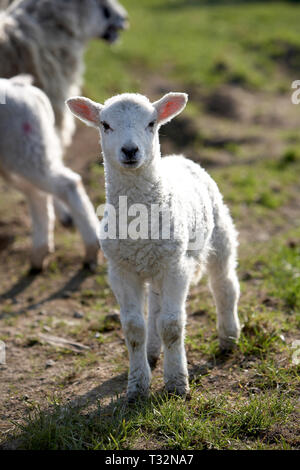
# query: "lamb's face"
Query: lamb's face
128,128
128,125
104,19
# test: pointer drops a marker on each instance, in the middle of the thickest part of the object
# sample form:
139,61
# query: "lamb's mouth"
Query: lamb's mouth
130,163
112,33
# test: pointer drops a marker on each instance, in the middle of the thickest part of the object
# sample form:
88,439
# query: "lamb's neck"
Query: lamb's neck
143,185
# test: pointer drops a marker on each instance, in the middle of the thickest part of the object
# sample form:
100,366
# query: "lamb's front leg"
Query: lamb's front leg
129,291
153,339
171,325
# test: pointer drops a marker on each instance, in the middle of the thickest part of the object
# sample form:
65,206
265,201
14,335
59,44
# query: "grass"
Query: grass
266,185
257,411
206,421
203,43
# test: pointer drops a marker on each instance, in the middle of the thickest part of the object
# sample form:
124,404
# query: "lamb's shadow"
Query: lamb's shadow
71,285
220,359
20,286
111,387
25,281
117,409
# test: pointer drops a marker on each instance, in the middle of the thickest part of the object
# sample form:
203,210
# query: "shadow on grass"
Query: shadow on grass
20,286
84,423
75,424
218,360
26,281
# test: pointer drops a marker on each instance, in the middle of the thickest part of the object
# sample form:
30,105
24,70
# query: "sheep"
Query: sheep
31,160
47,40
4,4
201,236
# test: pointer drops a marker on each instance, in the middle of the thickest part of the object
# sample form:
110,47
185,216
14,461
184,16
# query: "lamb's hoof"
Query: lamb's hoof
183,395
178,389
67,221
152,361
90,266
133,397
91,257
227,344
34,271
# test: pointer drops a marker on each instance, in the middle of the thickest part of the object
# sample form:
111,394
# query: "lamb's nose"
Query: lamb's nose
130,152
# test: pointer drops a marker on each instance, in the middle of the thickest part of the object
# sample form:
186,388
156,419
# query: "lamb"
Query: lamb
31,159
47,40
154,259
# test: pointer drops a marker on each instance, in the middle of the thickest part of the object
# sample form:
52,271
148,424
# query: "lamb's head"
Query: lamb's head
82,19
103,18
129,125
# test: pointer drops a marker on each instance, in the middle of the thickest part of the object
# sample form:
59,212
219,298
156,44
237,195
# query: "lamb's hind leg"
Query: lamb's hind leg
43,219
63,213
67,185
153,338
224,282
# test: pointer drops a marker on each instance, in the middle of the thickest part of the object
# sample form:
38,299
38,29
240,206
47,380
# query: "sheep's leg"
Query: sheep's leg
43,219
171,325
153,338
129,291
67,185
63,213
225,285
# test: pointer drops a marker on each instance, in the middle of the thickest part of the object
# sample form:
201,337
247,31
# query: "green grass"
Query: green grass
205,421
277,266
265,185
258,409
203,43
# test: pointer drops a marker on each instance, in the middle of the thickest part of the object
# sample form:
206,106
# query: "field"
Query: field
236,60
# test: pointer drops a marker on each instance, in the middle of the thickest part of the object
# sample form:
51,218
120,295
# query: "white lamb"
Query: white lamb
202,235
31,159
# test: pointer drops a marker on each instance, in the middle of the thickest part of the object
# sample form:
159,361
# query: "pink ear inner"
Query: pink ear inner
84,111
171,107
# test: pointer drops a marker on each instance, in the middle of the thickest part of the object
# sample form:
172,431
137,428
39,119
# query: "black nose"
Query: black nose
129,152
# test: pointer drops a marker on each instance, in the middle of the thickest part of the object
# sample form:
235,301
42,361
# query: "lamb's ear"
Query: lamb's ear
169,106
85,109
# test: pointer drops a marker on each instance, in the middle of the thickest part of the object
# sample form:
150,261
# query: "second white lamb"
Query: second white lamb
31,159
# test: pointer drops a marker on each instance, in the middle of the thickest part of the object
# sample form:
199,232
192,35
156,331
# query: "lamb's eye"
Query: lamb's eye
106,12
151,124
106,126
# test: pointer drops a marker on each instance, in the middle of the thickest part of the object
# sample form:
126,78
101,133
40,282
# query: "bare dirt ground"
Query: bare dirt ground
69,302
